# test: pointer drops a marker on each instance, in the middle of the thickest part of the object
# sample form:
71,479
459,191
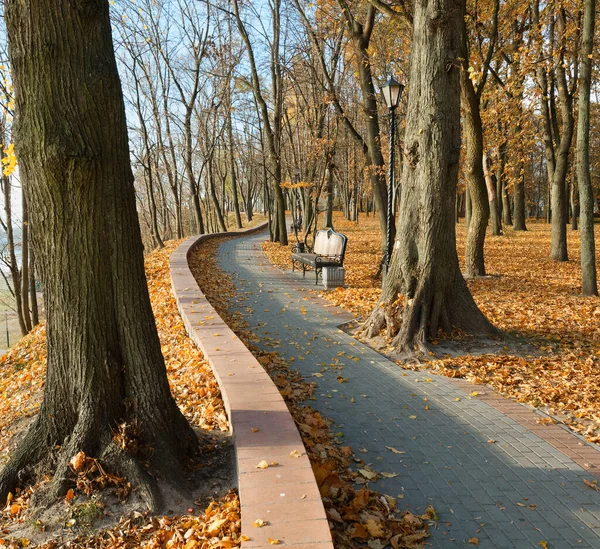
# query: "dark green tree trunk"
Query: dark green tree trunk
104,357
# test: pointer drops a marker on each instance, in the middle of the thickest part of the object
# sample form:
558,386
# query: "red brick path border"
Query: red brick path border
286,495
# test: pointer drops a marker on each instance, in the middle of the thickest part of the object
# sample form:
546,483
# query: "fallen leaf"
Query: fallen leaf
394,450
367,474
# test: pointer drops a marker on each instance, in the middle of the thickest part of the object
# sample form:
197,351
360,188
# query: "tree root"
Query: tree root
37,452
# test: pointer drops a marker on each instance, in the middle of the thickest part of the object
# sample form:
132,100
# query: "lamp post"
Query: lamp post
391,91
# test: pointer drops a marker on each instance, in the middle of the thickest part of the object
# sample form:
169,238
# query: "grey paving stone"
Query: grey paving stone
448,461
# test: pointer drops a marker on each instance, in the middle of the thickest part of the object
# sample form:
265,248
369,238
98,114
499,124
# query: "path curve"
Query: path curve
284,497
484,462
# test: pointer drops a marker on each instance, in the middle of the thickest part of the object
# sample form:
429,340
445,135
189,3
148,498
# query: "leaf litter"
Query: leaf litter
22,375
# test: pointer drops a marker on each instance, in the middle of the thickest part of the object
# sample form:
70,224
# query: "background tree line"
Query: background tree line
235,107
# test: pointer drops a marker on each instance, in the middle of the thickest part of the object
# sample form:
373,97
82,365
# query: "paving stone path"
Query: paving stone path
487,475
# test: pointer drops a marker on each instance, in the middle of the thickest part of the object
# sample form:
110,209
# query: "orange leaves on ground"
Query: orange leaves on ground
22,374
192,381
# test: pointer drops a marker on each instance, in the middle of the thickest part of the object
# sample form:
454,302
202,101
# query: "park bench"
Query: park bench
328,251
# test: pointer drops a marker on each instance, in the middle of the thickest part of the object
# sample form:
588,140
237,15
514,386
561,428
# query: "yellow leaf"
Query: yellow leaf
473,541
367,474
295,454
374,528
215,526
262,465
259,523
543,544
394,450
245,538
274,541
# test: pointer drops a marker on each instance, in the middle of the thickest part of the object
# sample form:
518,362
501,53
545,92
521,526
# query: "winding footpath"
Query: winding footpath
489,467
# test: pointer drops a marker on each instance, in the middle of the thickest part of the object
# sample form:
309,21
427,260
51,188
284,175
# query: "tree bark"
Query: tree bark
492,194
424,290
589,284
473,168
558,246
104,363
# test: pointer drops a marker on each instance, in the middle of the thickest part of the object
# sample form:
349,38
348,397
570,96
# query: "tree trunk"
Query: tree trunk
12,257
328,219
490,183
424,275
589,284
35,316
104,366
234,184
473,168
574,205
558,246
25,241
213,195
519,197
468,208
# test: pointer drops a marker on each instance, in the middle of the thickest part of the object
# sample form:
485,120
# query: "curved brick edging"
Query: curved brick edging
286,495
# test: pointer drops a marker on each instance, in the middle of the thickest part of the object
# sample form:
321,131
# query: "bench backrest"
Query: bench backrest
330,243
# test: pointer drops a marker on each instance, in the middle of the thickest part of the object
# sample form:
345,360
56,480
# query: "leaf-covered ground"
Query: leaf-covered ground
531,298
196,391
356,516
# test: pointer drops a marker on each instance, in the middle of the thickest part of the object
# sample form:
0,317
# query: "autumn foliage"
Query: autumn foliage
196,391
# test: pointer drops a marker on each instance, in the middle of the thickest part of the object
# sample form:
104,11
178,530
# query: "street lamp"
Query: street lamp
391,91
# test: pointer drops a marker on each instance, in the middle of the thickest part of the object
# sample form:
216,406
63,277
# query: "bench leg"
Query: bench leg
303,270
316,276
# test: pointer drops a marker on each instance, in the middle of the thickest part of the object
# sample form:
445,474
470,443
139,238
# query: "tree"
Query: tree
474,150
272,128
105,367
589,284
424,290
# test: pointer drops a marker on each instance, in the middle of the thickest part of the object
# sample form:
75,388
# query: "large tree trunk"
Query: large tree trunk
104,359
424,290
589,284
